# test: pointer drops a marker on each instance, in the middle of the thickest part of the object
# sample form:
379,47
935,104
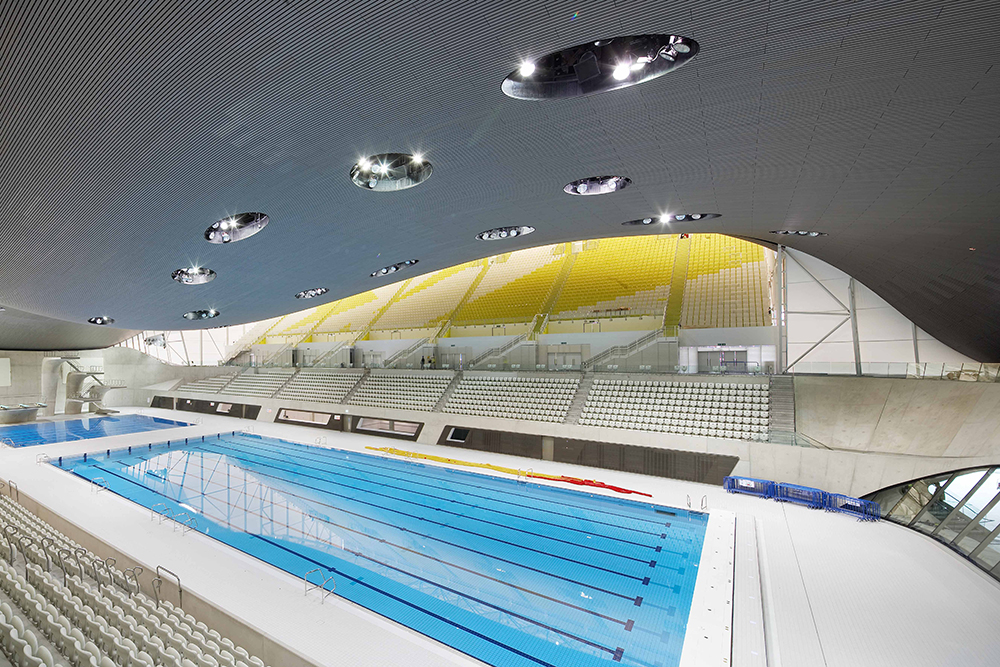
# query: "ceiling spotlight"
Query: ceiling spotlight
201,314
598,66
597,185
388,172
668,217
101,320
504,232
392,268
237,228
797,232
196,275
311,293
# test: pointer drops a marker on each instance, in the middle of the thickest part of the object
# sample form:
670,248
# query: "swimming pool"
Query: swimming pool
513,574
45,433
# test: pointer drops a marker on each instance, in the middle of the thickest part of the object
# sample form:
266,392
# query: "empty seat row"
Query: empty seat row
514,397
320,386
405,391
93,615
210,385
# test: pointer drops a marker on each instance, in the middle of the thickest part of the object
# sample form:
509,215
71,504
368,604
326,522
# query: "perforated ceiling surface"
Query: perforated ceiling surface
129,127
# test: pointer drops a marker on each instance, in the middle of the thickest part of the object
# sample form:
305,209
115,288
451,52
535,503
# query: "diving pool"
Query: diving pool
48,432
510,573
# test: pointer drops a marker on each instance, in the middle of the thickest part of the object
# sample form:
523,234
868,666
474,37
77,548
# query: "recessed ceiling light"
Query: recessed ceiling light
599,66
597,185
504,233
201,314
236,228
195,275
797,232
311,293
392,268
388,172
101,320
668,217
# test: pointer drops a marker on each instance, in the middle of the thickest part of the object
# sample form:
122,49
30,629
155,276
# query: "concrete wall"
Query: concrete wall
25,378
140,371
936,418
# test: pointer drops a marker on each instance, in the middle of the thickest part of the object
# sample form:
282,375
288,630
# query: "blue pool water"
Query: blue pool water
44,433
510,573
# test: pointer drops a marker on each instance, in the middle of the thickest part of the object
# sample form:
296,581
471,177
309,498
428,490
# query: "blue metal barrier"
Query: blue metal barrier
865,510
802,495
749,485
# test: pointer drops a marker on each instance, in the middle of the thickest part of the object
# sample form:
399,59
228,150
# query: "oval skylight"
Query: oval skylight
388,172
201,314
236,228
311,293
101,320
393,268
597,185
672,217
195,275
504,233
798,232
599,66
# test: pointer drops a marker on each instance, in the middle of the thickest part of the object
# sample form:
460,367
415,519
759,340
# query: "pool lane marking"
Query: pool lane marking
460,473
616,652
462,493
636,600
427,507
459,502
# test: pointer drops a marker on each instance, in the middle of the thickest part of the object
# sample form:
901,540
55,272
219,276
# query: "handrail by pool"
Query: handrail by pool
99,484
159,578
311,587
42,458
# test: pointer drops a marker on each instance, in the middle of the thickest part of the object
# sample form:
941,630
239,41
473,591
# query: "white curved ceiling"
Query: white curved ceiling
128,128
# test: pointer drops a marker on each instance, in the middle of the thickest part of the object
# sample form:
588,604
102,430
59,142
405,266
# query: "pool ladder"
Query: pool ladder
327,592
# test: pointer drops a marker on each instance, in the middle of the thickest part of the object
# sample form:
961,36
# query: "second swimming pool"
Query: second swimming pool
510,573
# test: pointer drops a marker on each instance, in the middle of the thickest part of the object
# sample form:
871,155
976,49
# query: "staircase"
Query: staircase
622,350
402,355
498,351
361,380
397,295
678,281
782,409
465,298
579,399
439,406
542,320
333,350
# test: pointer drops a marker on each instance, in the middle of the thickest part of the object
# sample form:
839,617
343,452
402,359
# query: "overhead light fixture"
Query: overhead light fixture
504,233
597,185
797,232
201,314
236,228
101,320
669,217
195,275
598,66
392,268
388,172
311,293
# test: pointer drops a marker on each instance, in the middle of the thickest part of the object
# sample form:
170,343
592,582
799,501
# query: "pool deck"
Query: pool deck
836,592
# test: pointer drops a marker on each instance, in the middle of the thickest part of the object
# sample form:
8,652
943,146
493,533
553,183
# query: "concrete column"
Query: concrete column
347,423
548,448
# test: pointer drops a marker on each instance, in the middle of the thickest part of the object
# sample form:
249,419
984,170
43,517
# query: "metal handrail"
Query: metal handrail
7,443
159,577
42,458
9,531
99,484
47,543
135,572
311,587
13,490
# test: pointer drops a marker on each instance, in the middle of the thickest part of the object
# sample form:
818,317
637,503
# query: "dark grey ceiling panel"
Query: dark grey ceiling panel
127,128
